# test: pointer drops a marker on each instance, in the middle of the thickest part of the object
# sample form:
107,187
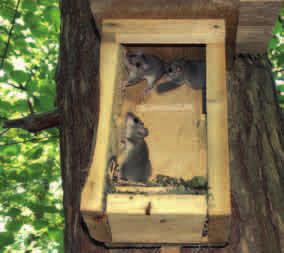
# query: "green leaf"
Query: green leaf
35,170
13,212
8,67
44,103
51,14
23,176
19,76
39,31
280,88
277,28
5,105
21,106
30,5
40,224
280,98
280,49
36,153
17,198
51,209
10,150
56,234
273,43
20,44
14,225
30,20
6,238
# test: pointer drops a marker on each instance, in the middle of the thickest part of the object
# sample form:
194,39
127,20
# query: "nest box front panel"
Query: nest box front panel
156,218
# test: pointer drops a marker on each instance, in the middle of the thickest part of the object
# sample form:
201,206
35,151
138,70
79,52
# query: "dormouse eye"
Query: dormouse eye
138,64
170,70
136,120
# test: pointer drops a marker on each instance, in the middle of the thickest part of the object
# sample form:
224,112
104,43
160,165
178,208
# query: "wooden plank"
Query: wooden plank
260,1
252,47
139,189
252,34
203,143
156,218
204,244
262,14
93,195
253,39
166,31
164,108
219,202
170,249
160,204
256,21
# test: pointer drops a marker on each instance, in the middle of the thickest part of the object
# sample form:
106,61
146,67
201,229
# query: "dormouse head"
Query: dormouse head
137,61
175,69
135,129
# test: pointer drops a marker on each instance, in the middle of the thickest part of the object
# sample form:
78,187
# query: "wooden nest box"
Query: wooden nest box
188,137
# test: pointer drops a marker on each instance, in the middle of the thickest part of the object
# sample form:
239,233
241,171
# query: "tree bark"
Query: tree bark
256,141
35,122
77,99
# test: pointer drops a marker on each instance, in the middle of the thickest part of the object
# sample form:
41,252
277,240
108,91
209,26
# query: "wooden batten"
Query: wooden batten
93,195
166,31
156,218
219,201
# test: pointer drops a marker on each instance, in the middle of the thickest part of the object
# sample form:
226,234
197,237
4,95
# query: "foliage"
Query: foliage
276,55
31,218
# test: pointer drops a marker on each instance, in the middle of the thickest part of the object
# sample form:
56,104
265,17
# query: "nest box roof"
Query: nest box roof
248,22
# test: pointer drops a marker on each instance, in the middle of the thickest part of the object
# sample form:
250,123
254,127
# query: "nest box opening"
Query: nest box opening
176,121
188,139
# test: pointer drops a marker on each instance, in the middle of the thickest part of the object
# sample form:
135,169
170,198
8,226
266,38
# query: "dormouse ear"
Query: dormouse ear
179,69
145,65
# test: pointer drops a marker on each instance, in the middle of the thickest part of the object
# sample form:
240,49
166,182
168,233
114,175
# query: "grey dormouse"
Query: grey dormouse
136,165
142,66
181,71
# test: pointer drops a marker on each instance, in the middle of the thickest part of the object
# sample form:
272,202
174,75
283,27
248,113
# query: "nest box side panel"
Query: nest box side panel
219,201
156,218
93,195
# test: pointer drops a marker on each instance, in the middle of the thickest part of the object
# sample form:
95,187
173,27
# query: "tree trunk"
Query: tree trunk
256,141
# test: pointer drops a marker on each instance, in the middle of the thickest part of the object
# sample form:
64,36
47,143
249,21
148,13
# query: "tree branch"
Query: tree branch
20,87
4,131
35,122
10,34
30,105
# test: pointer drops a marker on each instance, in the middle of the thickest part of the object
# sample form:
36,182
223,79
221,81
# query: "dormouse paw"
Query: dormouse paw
123,86
146,92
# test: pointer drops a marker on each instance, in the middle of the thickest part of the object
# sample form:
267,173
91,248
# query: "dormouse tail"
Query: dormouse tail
167,86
